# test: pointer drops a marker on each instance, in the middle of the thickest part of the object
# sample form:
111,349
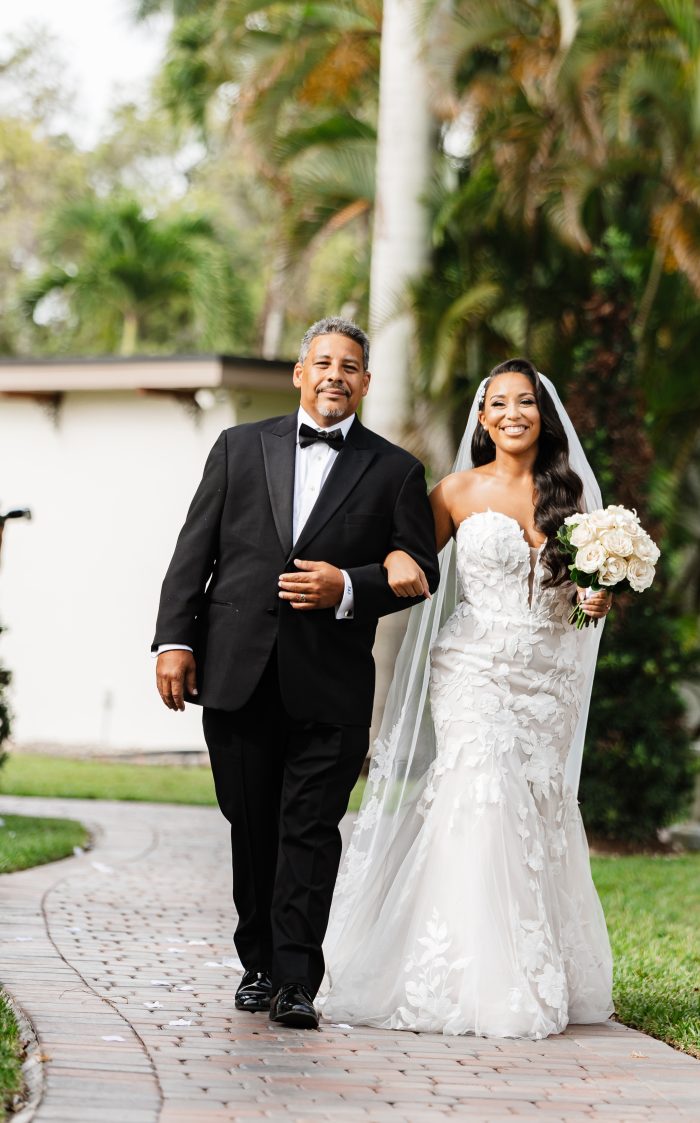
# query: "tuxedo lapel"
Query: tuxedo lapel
279,453
350,465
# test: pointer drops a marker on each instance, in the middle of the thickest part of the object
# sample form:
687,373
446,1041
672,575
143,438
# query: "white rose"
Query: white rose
602,520
623,516
640,574
628,523
612,571
571,520
590,558
617,542
581,535
634,530
646,550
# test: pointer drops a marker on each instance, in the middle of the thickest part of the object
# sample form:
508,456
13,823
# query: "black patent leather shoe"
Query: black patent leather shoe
254,992
293,1006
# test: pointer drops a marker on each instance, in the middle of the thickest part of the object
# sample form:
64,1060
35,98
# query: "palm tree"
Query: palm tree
400,241
130,280
297,86
588,116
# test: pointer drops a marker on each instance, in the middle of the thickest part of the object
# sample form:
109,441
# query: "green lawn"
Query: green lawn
27,841
652,906
10,1062
88,779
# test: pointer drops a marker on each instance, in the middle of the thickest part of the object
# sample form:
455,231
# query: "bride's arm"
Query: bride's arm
405,576
441,500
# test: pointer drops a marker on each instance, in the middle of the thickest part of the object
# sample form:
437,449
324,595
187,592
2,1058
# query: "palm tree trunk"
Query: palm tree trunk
130,333
400,251
275,307
400,244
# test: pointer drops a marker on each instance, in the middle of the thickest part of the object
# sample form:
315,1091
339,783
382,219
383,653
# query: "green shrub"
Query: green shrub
638,766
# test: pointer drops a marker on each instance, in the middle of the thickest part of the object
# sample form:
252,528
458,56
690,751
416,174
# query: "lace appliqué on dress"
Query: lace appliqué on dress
486,920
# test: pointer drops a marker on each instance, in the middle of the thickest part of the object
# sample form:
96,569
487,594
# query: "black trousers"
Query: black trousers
284,786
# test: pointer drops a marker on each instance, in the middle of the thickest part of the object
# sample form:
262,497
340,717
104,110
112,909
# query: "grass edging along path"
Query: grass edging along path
27,841
95,779
652,906
10,1058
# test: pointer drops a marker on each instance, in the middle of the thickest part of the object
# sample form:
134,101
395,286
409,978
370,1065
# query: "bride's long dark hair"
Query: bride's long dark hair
558,489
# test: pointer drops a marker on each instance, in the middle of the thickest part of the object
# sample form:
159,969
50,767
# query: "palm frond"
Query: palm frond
475,304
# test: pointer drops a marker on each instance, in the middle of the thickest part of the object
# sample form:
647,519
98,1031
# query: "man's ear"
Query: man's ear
366,381
296,375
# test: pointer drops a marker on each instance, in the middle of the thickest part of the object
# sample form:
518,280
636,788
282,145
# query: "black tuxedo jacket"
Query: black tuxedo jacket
220,594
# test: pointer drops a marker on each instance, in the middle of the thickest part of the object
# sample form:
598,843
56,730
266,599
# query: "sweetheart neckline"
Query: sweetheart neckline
510,519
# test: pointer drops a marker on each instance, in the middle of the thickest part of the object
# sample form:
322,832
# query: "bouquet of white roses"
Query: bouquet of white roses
608,548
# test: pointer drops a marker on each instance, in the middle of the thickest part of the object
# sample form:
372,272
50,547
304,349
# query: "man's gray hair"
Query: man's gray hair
335,325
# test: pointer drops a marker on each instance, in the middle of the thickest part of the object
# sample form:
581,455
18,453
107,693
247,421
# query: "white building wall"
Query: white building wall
108,487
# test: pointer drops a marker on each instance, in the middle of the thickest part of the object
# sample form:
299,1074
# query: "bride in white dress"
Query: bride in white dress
465,903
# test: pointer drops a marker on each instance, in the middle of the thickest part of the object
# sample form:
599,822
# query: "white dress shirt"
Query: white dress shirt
312,466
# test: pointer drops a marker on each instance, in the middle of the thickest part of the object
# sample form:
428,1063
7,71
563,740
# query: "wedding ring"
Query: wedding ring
302,596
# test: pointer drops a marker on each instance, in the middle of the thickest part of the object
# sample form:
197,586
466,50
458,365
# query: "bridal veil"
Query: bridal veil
389,819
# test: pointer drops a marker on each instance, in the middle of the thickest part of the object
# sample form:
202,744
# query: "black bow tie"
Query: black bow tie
334,439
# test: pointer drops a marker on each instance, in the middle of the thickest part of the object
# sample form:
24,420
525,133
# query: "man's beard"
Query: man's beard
331,412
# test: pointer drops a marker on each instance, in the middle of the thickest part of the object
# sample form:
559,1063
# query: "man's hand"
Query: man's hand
176,670
318,585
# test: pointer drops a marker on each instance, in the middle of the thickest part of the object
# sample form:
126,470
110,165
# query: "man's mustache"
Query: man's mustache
334,386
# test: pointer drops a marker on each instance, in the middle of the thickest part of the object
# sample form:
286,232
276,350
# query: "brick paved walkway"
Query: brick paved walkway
122,960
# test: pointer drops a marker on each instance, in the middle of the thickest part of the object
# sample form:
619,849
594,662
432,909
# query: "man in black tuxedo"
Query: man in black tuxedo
267,618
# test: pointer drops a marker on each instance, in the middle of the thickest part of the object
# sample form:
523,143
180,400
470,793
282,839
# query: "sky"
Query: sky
104,49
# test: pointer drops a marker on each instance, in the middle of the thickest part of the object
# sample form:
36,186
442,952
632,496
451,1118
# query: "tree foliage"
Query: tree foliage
569,230
131,280
291,87
39,167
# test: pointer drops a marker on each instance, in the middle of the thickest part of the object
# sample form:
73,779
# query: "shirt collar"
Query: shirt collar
303,418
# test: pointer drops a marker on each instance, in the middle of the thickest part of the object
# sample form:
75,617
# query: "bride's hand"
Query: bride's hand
594,604
405,576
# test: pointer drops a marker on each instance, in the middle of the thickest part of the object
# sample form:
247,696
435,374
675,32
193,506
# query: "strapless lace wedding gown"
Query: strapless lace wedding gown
491,924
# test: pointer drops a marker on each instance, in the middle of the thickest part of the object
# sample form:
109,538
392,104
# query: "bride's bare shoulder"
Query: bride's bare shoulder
458,496
458,486
454,499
